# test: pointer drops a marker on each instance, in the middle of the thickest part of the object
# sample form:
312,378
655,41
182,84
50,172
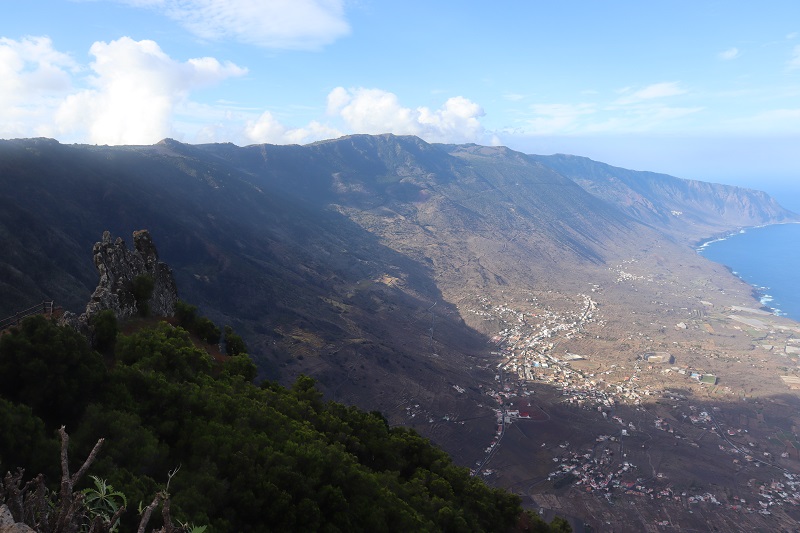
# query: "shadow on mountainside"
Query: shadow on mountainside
308,289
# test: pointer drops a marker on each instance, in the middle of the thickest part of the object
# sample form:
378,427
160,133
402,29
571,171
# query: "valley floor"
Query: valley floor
677,416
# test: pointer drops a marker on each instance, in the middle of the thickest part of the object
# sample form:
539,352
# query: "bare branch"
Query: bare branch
66,487
98,525
147,512
117,516
69,502
37,505
65,494
170,475
89,460
165,512
68,510
14,493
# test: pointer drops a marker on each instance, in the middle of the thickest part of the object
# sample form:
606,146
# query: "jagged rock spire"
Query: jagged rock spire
119,267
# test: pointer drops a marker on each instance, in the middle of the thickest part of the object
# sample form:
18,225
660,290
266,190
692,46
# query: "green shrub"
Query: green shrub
142,289
234,344
104,329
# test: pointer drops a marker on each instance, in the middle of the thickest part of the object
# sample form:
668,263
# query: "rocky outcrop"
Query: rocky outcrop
126,276
9,525
119,268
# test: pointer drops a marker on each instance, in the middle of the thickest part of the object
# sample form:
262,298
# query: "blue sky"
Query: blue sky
701,90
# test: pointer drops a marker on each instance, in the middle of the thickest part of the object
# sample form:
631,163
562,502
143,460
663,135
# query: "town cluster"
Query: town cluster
528,351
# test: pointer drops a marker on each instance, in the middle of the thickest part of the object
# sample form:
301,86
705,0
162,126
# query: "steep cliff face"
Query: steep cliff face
687,210
132,281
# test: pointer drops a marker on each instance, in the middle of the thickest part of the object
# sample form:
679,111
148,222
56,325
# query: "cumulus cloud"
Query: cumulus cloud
135,89
730,53
133,92
34,77
378,111
375,111
283,24
651,92
267,129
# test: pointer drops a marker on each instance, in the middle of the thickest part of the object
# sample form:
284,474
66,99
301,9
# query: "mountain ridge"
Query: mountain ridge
656,198
466,214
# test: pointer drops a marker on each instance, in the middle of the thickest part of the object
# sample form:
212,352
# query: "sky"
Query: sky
706,90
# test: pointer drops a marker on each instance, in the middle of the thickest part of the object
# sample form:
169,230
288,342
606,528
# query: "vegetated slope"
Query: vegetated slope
686,209
308,288
248,458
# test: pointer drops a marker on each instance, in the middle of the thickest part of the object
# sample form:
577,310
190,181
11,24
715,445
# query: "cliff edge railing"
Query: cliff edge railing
45,308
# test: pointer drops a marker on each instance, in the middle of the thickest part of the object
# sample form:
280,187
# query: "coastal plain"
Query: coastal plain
661,398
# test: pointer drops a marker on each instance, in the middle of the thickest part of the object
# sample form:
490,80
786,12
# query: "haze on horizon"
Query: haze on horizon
707,91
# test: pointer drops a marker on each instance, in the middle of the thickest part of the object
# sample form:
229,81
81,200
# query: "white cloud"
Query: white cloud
337,99
730,53
456,121
283,24
377,111
372,111
33,78
651,92
136,88
794,62
133,92
267,129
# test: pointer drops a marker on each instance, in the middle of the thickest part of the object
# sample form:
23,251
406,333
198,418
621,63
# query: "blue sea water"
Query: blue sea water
768,258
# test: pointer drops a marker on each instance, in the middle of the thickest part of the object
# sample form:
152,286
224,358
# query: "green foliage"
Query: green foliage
253,458
207,330
186,314
241,365
142,289
24,441
104,329
166,350
559,525
533,523
201,326
103,501
49,368
234,344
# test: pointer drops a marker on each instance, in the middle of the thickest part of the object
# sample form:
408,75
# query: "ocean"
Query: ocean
768,258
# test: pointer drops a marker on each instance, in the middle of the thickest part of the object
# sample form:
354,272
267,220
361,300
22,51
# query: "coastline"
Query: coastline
703,243
758,291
